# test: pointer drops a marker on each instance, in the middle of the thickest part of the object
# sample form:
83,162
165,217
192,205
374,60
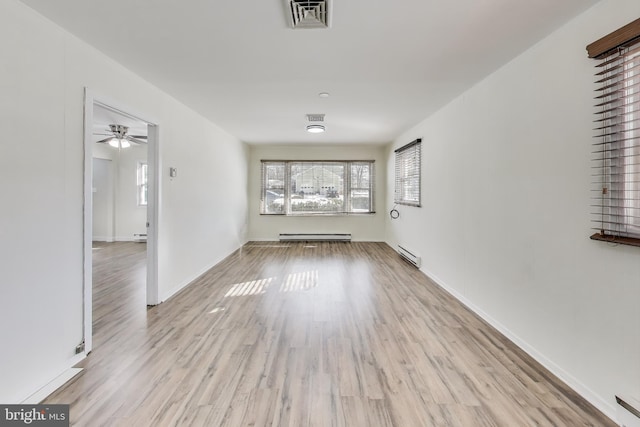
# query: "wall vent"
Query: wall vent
409,256
315,117
308,13
140,237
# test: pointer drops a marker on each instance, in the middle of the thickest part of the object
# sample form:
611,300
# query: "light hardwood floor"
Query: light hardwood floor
295,334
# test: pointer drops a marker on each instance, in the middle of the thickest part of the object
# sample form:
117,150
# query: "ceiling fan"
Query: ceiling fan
120,139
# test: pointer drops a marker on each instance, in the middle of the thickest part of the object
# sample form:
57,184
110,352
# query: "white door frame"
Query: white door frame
90,100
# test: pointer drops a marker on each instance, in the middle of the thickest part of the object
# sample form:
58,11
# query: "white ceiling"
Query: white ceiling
387,64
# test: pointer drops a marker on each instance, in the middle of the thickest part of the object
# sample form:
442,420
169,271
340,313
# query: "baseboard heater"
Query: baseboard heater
409,256
140,237
628,411
317,237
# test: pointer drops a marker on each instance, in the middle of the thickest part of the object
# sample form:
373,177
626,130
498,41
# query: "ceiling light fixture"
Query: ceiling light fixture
315,128
119,143
323,94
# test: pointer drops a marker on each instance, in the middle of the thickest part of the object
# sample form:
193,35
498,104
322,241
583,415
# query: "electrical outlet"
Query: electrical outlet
80,348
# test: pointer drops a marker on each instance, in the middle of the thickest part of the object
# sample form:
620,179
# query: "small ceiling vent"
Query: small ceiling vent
315,117
308,13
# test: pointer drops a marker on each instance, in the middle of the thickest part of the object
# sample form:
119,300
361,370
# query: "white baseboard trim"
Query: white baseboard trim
116,239
603,406
265,239
55,383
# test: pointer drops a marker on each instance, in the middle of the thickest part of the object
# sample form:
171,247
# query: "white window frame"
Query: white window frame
142,183
343,189
408,174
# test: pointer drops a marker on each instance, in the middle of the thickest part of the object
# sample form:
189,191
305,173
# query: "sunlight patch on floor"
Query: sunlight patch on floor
302,281
254,287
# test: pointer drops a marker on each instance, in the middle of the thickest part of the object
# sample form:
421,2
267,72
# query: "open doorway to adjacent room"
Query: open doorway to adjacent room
120,219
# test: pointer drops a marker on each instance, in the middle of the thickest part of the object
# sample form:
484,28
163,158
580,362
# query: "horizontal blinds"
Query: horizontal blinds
407,174
616,148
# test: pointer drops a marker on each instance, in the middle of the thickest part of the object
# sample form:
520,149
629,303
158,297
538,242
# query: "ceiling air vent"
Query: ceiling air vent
309,14
315,117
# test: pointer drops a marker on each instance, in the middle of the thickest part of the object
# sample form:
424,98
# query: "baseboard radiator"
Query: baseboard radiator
409,256
628,411
140,237
317,237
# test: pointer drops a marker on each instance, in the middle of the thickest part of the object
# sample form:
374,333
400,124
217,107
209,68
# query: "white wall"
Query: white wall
103,206
361,227
505,218
128,217
43,75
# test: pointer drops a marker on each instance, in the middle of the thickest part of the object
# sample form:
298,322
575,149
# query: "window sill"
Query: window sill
321,214
415,205
630,241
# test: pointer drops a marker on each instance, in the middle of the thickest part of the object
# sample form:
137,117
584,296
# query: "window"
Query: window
142,183
408,166
316,187
616,152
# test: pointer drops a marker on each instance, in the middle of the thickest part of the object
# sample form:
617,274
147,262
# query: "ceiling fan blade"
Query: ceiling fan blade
134,140
138,136
105,134
105,140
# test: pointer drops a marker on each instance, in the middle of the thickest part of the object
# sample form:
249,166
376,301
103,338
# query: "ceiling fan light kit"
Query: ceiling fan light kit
120,139
119,143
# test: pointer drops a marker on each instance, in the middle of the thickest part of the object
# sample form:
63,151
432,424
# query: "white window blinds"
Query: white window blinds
616,153
408,168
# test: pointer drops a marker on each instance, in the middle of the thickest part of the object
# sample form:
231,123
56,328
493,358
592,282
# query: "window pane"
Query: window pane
273,188
360,194
360,200
616,176
408,165
317,187
306,187
142,183
630,152
360,175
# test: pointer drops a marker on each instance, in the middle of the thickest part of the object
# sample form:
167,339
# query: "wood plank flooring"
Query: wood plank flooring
318,334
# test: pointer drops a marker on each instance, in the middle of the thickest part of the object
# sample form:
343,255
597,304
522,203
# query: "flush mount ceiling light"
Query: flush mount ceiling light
323,94
315,128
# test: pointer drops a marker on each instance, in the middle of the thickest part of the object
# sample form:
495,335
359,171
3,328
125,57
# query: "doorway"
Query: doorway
120,195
